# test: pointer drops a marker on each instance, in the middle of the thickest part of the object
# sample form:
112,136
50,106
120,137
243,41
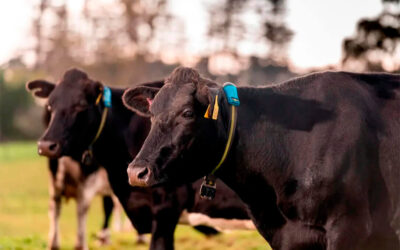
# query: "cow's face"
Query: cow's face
74,115
178,125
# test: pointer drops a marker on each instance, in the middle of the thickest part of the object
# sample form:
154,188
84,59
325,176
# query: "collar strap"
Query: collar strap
209,186
87,157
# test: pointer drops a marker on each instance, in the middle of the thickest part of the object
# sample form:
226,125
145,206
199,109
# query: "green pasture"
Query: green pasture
24,202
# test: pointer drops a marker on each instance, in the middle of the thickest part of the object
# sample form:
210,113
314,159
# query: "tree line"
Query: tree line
126,41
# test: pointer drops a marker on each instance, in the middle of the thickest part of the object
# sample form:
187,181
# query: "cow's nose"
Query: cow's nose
139,175
49,149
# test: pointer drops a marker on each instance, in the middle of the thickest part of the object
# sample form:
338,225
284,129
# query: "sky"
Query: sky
319,26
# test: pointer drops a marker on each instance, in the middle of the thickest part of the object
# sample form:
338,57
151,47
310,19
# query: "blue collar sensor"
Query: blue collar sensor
231,93
107,97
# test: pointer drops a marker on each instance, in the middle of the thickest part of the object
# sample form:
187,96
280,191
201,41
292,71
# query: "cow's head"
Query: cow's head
176,149
74,115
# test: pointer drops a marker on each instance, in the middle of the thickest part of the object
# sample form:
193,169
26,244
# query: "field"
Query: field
23,212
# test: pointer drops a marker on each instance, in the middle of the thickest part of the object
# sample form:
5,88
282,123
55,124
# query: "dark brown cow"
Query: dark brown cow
316,158
69,180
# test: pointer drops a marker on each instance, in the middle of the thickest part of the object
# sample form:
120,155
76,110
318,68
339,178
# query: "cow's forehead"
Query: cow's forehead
66,94
172,97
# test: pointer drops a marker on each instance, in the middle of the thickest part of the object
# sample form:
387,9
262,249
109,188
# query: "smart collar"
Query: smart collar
87,157
209,186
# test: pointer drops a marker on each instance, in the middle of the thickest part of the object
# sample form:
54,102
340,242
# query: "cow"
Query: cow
314,158
76,118
68,181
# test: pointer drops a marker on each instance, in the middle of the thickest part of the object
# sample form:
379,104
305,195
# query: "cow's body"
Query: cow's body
69,182
315,158
328,166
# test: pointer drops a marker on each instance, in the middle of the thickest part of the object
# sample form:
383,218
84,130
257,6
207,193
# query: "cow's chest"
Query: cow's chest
308,205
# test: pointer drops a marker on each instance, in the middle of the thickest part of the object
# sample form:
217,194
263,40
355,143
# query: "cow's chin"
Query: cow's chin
177,173
166,181
74,154
159,182
139,183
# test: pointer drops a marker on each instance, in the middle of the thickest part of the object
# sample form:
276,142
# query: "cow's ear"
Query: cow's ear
206,95
139,99
93,90
40,88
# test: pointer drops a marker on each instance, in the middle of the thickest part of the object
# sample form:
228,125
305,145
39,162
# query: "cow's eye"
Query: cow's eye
83,103
188,113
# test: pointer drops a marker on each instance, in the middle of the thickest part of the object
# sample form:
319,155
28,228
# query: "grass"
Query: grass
24,203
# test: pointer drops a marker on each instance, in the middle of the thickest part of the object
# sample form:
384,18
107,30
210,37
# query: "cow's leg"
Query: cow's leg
384,240
164,225
54,214
168,205
82,209
141,239
108,206
347,232
141,218
299,236
139,211
117,217
126,225
104,235
85,196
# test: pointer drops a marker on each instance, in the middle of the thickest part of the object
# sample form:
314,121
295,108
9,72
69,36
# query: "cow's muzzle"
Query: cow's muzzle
49,148
139,175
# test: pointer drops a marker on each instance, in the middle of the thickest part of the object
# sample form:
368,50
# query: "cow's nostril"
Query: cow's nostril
48,148
53,146
142,174
166,151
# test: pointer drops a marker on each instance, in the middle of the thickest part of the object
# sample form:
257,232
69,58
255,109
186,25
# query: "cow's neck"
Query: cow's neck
256,148
256,159
272,123
118,144
112,146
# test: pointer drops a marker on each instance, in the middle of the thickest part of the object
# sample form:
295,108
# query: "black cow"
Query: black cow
316,158
68,179
75,119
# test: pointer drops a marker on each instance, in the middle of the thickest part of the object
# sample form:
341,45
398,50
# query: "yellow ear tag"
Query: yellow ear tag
98,98
206,115
216,109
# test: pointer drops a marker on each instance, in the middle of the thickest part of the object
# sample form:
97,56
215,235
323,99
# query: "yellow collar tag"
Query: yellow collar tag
99,98
216,109
207,114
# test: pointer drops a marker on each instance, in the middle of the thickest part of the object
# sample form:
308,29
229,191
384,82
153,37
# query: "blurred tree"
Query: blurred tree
58,53
123,42
140,19
38,33
234,22
108,32
376,44
15,104
123,29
